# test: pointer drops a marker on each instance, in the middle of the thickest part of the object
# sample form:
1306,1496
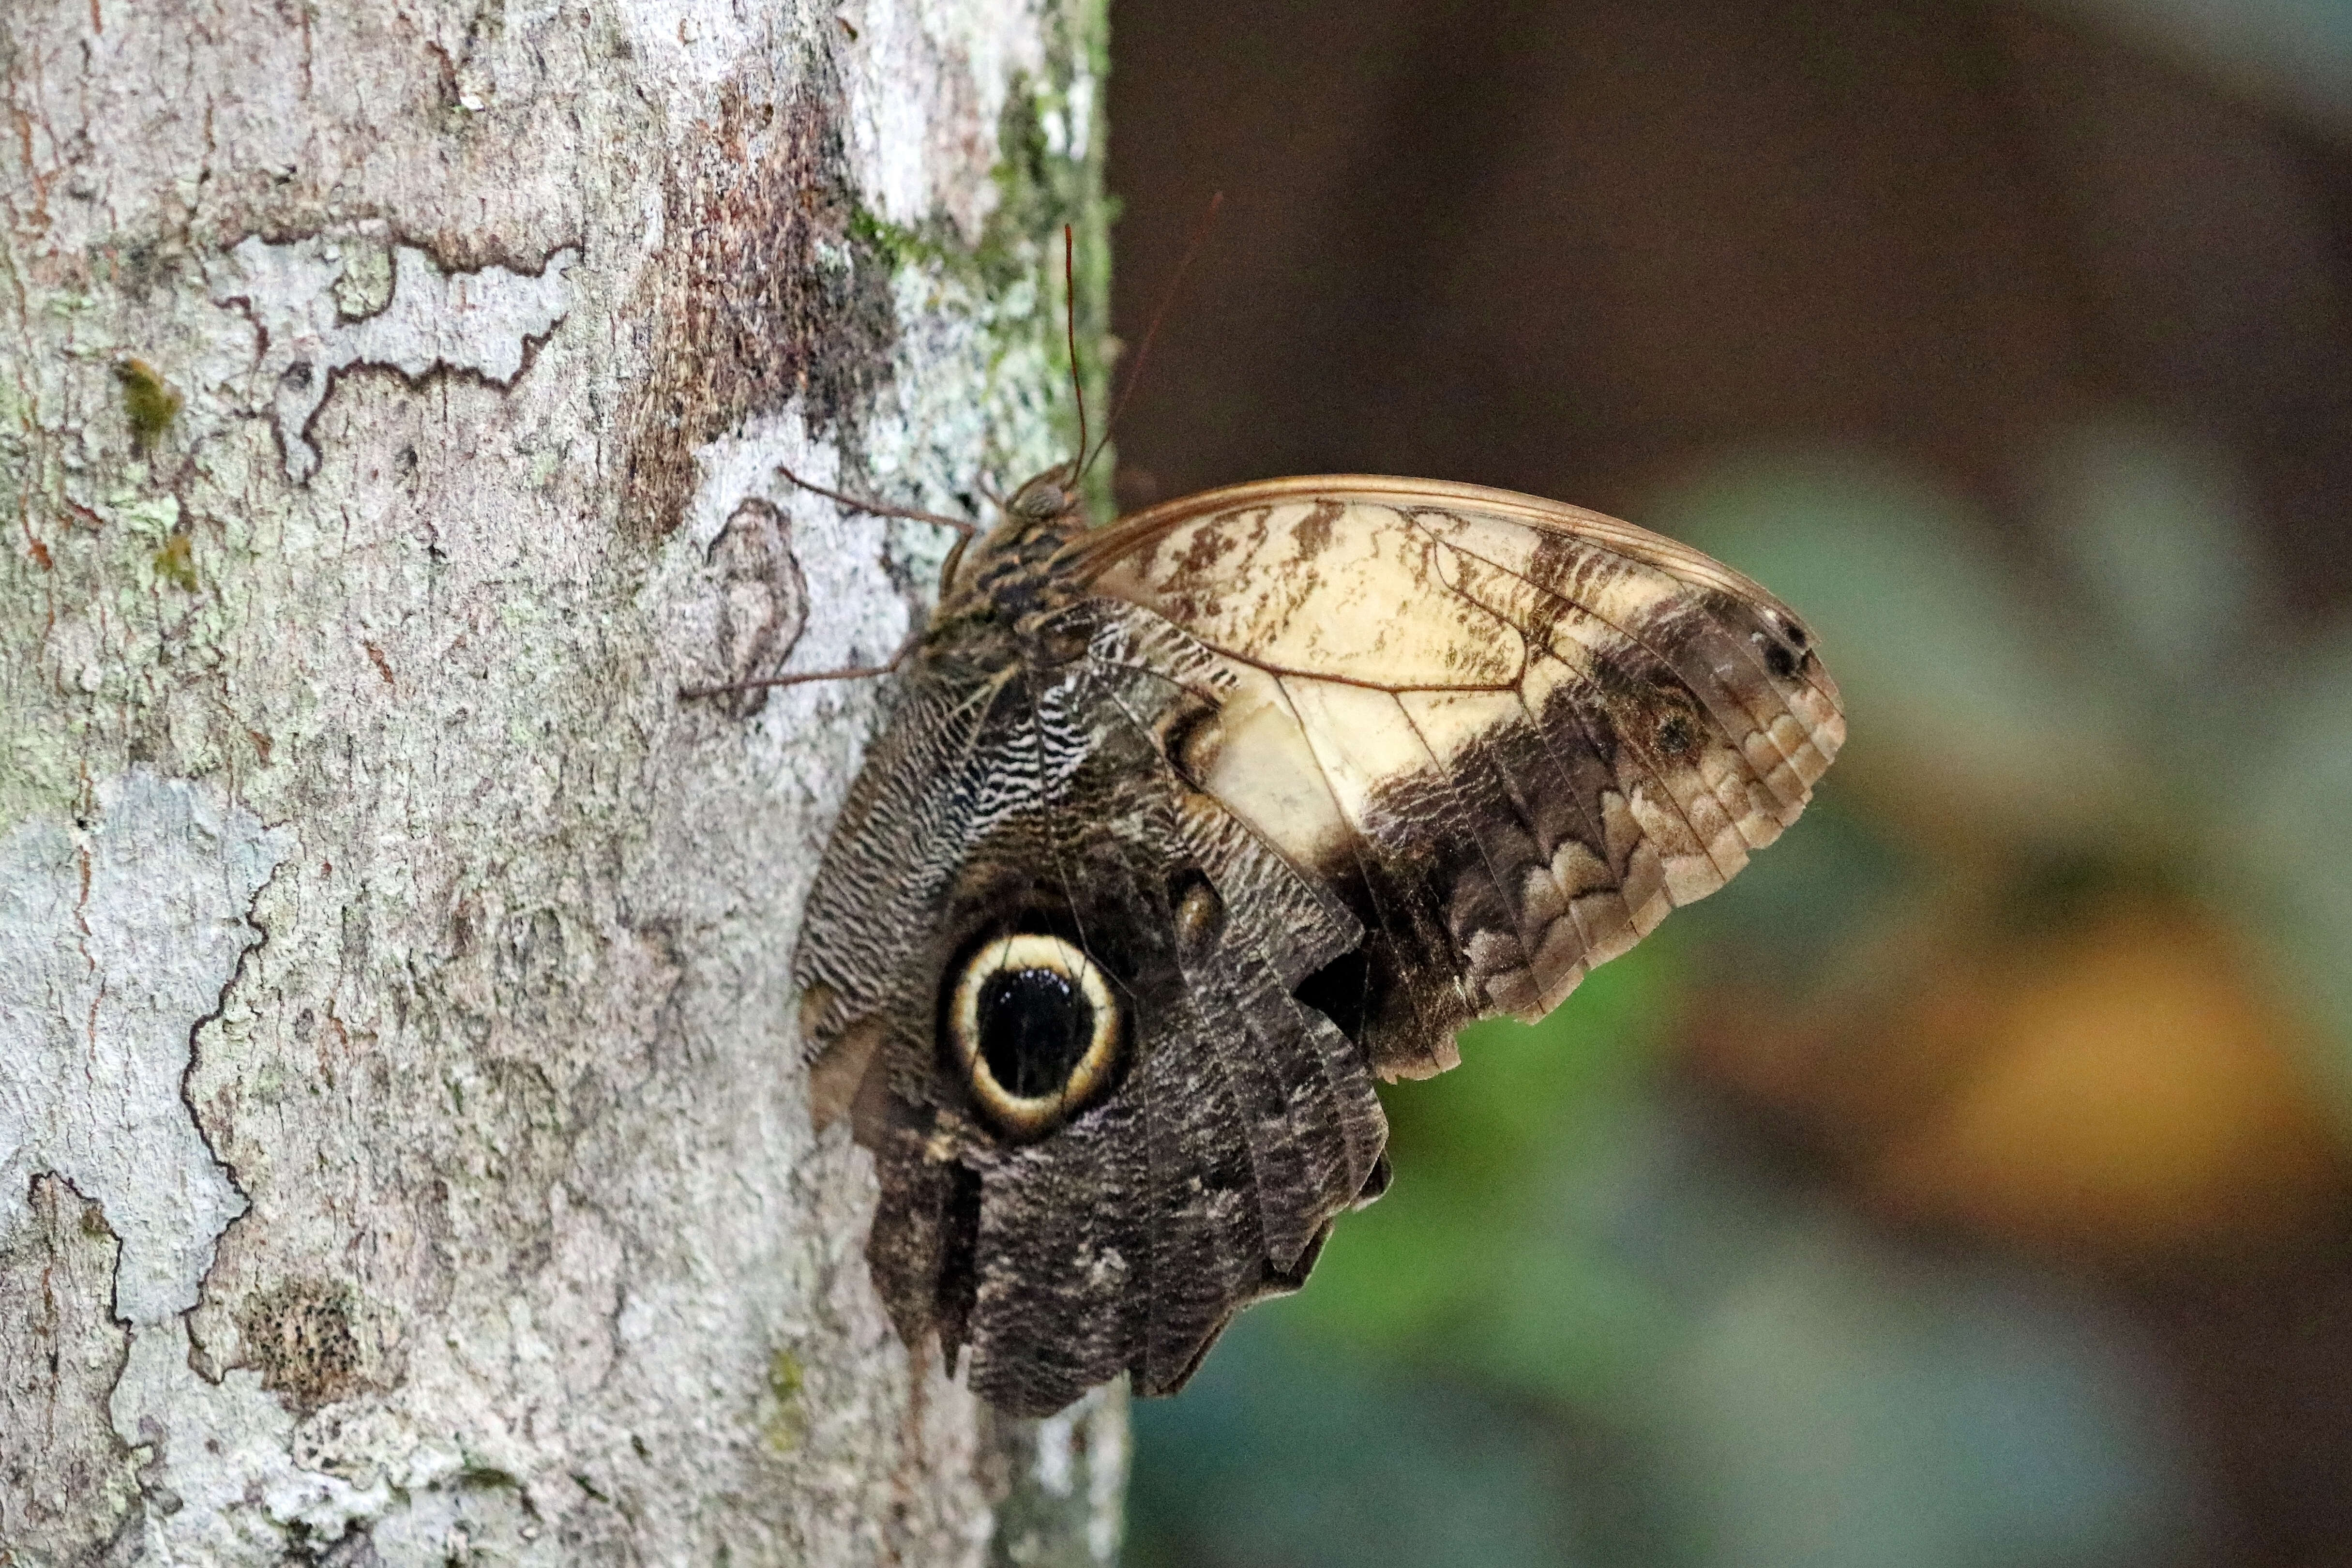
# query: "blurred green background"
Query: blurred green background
1966,1184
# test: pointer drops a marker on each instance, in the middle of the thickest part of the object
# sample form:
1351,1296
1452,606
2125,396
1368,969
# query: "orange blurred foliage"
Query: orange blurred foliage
2124,1088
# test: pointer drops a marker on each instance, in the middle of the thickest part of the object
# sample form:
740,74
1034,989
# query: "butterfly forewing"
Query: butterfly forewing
1542,727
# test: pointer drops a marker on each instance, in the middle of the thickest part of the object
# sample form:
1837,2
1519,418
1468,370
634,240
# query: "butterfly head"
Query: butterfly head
1048,497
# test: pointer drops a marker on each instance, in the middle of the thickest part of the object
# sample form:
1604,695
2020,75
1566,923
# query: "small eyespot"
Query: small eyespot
1779,660
1036,1029
1677,736
1199,912
1193,739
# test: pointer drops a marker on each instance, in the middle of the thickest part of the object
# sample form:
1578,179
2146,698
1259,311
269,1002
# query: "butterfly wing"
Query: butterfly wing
1511,733
1327,767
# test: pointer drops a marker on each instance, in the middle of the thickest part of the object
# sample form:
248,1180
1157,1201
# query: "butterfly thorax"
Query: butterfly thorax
1005,587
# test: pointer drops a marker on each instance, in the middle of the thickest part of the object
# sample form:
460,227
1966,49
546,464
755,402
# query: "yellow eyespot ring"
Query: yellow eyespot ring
1027,1000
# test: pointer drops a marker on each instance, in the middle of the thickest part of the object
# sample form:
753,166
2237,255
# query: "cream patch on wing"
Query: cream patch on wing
1264,771
1362,738
1451,722
1346,593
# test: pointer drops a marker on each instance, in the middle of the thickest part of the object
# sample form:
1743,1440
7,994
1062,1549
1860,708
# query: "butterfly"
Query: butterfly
1185,831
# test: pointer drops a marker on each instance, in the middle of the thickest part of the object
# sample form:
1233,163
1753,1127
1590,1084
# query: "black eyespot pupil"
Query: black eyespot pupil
1034,1028
1779,661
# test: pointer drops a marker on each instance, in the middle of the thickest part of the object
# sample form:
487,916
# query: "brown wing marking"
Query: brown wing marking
1124,1240
1692,755
1560,867
1700,843
1583,735
1525,572
1517,968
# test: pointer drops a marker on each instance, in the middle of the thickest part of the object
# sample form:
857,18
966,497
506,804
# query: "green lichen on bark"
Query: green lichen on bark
1051,140
148,401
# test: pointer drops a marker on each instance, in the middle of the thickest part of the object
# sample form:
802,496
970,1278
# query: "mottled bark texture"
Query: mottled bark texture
404,1149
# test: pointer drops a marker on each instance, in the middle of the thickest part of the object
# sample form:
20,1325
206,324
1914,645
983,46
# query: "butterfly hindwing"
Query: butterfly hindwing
1240,1121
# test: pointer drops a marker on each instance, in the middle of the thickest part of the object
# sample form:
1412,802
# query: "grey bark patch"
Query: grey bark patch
759,296
432,321
65,1479
117,940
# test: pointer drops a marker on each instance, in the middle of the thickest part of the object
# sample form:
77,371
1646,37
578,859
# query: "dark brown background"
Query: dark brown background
1569,247
1580,248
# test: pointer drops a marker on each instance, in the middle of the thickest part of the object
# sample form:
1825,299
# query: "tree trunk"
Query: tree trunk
403,1147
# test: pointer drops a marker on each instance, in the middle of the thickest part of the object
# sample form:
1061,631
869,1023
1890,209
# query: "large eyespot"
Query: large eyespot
1034,1025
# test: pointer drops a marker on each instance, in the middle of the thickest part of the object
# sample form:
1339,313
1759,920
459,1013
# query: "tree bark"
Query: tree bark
403,1147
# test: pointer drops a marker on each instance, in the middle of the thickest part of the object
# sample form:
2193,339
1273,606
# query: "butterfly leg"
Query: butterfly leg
881,509
852,672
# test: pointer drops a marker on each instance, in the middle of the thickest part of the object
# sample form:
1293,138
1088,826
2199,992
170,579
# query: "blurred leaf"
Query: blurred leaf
1319,1458
1842,1407
1462,1263
2290,854
1805,901
2155,529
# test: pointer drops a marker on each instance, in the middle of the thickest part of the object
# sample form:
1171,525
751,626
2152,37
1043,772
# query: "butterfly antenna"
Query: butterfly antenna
1070,324
1135,375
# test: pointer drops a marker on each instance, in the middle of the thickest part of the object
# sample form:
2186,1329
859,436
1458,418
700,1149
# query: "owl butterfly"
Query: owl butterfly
1185,830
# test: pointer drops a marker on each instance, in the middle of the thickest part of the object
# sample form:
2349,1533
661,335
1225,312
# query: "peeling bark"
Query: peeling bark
404,1150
